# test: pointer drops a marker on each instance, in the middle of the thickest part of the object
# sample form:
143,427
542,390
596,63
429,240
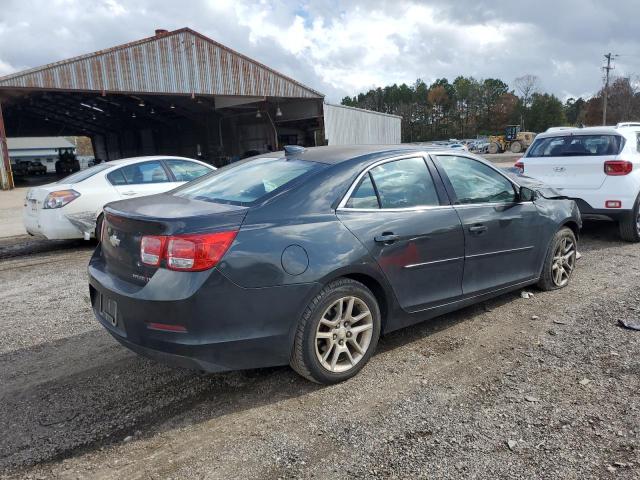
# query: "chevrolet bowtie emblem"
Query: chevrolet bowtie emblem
114,240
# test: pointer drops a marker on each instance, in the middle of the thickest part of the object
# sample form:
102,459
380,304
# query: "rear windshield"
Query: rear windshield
84,174
247,182
576,146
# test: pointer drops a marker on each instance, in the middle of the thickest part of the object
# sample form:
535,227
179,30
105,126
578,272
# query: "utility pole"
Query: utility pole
609,56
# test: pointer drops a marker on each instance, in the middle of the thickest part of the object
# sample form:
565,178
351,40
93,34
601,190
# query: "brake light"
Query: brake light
520,166
59,199
617,167
186,252
613,204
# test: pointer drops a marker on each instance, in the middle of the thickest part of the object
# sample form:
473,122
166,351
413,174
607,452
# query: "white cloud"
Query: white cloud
6,68
344,47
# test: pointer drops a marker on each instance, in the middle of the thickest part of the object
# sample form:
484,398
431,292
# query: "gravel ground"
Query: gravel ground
545,387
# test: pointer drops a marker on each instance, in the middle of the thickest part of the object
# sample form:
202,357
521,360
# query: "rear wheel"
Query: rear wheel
560,261
337,333
629,225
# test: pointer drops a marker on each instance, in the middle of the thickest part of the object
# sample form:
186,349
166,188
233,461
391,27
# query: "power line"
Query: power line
609,56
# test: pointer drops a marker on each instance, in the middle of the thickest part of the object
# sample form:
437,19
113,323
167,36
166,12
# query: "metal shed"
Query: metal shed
175,93
347,125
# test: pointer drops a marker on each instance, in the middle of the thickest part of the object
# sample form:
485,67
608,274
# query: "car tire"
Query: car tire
629,225
325,331
560,261
516,147
493,148
98,229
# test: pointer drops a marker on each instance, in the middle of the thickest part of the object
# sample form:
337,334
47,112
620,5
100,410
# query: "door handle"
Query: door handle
387,237
129,193
478,229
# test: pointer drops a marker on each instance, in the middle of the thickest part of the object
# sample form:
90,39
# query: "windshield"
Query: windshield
84,174
247,182
576,146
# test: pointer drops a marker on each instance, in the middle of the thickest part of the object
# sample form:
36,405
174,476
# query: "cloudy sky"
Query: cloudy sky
344,47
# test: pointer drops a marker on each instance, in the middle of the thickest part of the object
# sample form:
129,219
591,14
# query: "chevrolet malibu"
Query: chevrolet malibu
306,257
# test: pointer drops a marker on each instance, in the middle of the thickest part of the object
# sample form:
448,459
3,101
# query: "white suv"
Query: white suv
598,167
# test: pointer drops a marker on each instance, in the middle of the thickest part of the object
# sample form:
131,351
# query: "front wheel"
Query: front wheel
493,148
337,333
560,261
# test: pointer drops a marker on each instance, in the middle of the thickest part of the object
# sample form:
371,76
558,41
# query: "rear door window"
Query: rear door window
185,171
364,195
404,183
576,146
146,172
116,177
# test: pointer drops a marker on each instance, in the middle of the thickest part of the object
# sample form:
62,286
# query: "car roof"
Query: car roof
338,154
124,161
580,131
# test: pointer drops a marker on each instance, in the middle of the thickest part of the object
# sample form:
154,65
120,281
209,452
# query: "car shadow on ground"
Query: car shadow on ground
76,394
599,234
24,245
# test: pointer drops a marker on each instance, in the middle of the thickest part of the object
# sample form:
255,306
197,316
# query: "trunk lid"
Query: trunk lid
127,221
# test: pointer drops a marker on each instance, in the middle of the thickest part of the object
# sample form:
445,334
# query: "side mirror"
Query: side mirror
527,194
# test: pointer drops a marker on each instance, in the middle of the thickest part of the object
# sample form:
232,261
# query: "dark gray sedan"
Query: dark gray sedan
307,257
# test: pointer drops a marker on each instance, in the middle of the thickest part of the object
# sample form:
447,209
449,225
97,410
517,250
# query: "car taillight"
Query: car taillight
186,252
151,250
617,167
520,166
59,199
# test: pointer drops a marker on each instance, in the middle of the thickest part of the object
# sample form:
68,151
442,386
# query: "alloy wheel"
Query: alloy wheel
564,261
344,334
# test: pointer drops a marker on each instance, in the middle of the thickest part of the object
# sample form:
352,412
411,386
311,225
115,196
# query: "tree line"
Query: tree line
467,107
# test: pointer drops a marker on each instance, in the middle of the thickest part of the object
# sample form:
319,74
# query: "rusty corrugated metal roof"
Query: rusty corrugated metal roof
178,62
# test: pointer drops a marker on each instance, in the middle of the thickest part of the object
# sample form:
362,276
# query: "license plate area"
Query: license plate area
108,309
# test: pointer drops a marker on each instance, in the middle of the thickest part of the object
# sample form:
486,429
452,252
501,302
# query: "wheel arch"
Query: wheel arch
378,292
374,280
573,225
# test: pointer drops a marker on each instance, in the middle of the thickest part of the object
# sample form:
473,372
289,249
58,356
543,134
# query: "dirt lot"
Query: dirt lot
546,387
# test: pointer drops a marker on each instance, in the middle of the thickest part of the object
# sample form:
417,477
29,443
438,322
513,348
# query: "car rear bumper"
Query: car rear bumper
623,190
228,327
50,224
588,211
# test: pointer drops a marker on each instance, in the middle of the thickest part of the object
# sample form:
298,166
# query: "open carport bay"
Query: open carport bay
545,387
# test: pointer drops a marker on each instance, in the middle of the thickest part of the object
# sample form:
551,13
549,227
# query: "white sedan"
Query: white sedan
72,207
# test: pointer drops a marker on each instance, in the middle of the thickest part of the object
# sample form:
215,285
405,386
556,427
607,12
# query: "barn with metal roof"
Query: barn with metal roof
175,93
